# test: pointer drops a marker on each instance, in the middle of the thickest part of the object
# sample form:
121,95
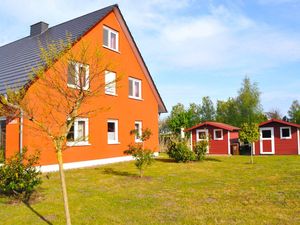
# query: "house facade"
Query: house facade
278,137
131,103
221,136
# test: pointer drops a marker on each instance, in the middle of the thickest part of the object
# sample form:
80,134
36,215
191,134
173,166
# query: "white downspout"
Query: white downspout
21,133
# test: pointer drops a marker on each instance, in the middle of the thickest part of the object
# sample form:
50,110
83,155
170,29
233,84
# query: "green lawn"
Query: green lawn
220,190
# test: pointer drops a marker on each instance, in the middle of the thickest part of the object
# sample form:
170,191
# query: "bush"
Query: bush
180,151
200,150
1,155
19,177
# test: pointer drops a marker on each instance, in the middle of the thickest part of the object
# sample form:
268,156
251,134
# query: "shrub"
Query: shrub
200,149
180,151
1,155
19,177
143,157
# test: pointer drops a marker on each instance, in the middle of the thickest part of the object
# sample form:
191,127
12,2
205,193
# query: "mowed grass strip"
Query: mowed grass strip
219,190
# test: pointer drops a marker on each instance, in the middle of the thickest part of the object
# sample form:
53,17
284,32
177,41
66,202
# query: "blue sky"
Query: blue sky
194,48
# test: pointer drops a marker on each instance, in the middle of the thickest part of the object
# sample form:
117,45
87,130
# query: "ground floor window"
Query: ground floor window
112,132
138,128
78,134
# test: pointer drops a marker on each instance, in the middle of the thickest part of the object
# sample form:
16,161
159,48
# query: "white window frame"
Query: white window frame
197,135
80,143
77,81
133,88
110,84
140,123
110,31
116,141
215,136
290,130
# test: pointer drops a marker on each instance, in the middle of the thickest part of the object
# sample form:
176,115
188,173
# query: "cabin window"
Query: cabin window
135,88
110,83
218,134
78,75
201,135
78,134
138,129
285,133
266,134
112,132
110,38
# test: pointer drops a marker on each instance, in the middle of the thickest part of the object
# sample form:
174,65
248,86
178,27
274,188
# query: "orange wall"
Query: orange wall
122,108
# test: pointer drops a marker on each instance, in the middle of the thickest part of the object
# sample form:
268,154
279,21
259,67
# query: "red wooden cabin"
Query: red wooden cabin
221,136
278,137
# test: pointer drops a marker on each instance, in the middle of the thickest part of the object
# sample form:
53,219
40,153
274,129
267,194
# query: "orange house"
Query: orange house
134,102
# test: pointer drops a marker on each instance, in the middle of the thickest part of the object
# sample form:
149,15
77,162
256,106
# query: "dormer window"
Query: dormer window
78,75
110,38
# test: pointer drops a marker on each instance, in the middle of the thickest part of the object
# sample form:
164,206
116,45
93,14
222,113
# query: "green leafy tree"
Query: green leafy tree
248,102
194,114
208,112
249,133
294,112
178,118
143,157
245,108
228,112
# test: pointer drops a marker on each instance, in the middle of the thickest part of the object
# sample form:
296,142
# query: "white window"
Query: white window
112,132
110,83
138,128
135,88
110,39
79,133
218,134
201,135
78,75
285,133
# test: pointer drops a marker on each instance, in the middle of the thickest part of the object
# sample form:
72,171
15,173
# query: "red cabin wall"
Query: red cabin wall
282,146
216,146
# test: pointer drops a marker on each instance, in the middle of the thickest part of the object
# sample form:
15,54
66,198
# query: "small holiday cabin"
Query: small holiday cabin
278,137
221,136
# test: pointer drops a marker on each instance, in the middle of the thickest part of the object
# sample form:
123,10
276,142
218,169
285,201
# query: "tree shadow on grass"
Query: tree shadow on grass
118,173
165,160
37,213
213,159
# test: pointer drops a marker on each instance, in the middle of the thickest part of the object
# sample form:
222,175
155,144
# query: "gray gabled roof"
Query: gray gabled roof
18,58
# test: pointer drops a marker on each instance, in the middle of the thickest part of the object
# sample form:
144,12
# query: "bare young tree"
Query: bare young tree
61,89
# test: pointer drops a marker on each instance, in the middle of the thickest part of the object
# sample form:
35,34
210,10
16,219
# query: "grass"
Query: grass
219,190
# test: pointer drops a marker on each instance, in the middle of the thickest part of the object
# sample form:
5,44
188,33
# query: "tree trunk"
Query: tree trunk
251,153
63,184
141,173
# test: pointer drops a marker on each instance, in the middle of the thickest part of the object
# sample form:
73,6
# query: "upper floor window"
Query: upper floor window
112,132
135,88
110,39
218,134
138,129
78,75
78,134
285,133
110,83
